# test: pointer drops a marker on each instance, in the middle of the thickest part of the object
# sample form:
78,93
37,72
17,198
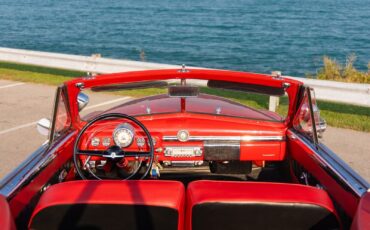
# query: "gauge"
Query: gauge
140,141
123,135
95,141
154,141
106,141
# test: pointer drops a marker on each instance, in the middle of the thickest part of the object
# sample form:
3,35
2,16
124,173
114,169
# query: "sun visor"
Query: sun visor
134,85
236,86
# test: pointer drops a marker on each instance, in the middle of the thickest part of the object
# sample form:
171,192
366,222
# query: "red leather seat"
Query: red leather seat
111,205
257,205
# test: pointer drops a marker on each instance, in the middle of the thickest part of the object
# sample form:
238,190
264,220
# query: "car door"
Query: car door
314,164
44,166
6,219
362,217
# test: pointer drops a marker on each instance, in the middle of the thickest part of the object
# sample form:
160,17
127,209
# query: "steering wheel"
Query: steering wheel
113,152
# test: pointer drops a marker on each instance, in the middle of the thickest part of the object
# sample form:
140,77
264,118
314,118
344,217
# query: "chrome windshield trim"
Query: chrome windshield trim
227,138
29,167
330,160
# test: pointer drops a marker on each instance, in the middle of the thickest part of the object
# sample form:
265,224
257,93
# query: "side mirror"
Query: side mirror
321,127
43,126
82,100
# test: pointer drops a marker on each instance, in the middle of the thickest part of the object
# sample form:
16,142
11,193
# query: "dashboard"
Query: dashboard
191,139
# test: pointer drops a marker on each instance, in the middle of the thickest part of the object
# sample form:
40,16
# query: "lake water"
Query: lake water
248,35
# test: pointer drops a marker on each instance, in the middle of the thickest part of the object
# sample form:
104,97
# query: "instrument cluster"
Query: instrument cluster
123,135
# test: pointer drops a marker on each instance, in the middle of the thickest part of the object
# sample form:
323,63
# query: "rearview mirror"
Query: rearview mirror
82,100
43,126
183,91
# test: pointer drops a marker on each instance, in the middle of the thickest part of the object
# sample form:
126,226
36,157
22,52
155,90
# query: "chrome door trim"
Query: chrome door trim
12,180
227,138
29,167
328,159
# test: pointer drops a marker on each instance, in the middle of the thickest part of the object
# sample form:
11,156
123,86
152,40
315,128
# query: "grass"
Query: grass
345,115
27,76
336,114
39,69
252,100
35,74
335,71
140,92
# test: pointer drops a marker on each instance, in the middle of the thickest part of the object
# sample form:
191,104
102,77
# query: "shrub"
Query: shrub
332,70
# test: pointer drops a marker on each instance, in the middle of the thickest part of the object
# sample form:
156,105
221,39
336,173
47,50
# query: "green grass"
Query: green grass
39,69
252,100
27,76
345,115
140,92
336,114
36,74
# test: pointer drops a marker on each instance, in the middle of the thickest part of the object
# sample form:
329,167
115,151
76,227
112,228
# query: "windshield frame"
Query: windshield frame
76,85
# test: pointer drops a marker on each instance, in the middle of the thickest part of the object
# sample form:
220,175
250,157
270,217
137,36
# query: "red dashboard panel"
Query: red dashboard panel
263,150
253,140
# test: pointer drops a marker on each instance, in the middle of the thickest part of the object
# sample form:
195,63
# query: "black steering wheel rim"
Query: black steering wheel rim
113,115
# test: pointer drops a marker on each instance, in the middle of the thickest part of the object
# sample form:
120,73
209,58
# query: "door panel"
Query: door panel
304,153
6,219
362,218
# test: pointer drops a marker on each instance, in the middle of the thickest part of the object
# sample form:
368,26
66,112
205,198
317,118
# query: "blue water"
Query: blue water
248,35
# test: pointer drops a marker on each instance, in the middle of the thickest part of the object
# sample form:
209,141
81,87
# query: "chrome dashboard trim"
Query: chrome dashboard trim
227,138
186,151
222,144
12,182
121,127
328,159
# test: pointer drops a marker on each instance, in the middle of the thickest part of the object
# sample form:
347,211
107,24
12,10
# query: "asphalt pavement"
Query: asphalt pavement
23,104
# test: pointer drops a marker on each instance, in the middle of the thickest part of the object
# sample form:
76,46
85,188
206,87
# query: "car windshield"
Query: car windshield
199,99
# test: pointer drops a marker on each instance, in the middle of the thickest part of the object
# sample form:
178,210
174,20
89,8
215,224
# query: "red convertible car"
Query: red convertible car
189,149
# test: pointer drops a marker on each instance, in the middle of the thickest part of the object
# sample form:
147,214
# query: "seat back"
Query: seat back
248,205
111,205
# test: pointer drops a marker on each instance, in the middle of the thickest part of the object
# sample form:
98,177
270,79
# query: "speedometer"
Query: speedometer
123,135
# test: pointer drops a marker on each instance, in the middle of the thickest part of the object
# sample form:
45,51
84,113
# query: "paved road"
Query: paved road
352,146
23,104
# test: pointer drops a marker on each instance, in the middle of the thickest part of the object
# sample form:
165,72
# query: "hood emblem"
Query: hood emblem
183,135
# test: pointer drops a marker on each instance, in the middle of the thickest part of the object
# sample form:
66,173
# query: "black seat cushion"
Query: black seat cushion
245,205
232,216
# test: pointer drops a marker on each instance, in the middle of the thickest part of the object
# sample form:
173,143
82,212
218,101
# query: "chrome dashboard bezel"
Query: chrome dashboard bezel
180,136
183,151
124,126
